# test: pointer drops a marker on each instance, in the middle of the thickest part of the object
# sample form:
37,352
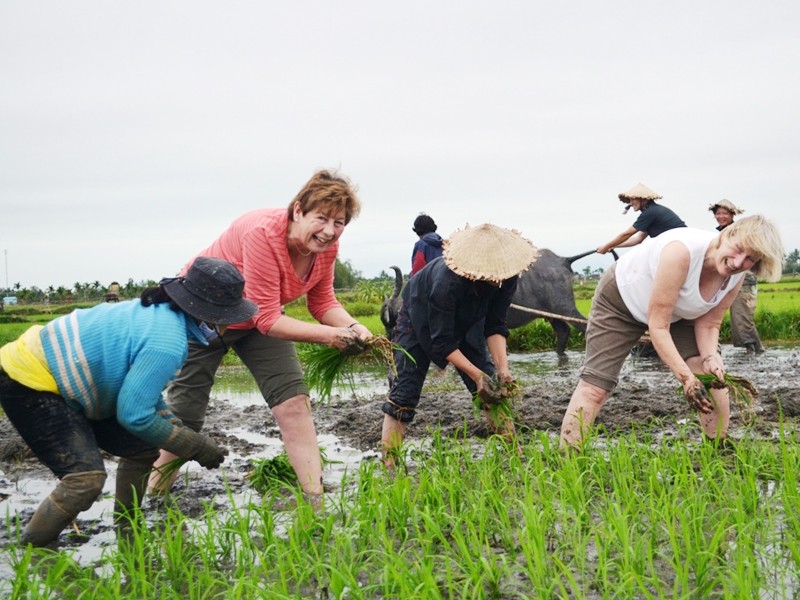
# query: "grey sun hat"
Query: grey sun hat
640,192
211,291
488,253
727,205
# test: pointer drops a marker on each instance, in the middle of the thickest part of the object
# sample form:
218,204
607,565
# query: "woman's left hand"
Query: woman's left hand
712,364
362,331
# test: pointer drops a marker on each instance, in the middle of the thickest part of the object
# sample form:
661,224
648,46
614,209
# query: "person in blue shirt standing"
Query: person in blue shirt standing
92,380
654,220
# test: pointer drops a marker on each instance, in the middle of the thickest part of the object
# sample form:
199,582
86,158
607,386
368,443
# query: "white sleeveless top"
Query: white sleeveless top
636,270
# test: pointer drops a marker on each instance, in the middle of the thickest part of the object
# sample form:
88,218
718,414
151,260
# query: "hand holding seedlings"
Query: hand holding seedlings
713,364
697,396
348,342
489,390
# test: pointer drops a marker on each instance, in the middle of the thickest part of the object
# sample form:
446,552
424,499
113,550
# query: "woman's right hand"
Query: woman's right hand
697,395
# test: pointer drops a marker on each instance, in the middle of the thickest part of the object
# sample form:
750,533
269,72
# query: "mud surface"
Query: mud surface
349,425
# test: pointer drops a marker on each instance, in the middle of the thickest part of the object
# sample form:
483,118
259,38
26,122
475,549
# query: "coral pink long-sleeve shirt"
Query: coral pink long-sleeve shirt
256,244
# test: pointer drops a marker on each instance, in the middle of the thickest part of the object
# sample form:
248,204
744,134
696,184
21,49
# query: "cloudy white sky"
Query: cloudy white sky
133,133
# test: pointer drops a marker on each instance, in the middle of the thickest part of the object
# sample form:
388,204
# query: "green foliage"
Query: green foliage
273,474
792,263
362,309
344,275
641,517
13,318
326,367
538,336
374,291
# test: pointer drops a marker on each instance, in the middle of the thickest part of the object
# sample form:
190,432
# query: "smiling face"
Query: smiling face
637,203
724,217
314,231
732,258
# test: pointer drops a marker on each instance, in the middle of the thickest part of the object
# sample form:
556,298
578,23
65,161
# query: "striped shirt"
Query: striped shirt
256,244
115,360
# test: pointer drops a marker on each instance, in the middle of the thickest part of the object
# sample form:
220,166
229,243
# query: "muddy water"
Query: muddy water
349,428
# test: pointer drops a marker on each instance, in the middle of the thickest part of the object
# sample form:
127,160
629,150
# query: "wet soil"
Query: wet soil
349,424
647,395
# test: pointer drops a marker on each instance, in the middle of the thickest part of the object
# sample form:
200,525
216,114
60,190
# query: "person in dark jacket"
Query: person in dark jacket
654,220
92,380
470,286
429,245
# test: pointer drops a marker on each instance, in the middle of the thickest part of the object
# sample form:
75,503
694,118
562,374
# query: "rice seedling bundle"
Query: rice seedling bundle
740,390
502,413
326,367
270,474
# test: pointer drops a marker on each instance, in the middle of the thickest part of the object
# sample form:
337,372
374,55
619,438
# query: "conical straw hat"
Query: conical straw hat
640,192
727,205
488,253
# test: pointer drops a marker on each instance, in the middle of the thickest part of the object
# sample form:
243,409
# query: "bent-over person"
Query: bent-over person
92,380
676,286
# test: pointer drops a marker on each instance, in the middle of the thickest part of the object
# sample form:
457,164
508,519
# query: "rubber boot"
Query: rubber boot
131,485
47,522
75,493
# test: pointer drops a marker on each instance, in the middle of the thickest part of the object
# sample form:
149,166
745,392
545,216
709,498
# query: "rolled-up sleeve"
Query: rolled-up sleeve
496,316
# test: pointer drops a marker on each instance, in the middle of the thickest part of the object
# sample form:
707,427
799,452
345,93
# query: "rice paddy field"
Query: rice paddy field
645,510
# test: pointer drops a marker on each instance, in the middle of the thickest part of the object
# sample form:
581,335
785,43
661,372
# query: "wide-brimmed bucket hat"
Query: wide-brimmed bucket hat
489,253
727,205
211,291
639,192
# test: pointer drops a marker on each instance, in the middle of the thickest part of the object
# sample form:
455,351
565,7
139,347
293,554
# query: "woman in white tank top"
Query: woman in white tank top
677,286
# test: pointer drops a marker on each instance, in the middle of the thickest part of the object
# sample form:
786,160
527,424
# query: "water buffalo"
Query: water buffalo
392,304
547,288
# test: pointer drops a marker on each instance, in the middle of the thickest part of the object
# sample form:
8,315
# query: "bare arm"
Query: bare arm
630,237
462,363
498,350
335,329
706,331
672,270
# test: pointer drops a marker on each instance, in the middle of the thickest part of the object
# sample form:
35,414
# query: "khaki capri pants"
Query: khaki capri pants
612,333
273,363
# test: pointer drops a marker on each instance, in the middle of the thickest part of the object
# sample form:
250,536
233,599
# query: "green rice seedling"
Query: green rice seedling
272,474
501,414
169,470
326,366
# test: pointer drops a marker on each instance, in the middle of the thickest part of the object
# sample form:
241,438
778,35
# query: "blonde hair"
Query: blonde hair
330,193
761,237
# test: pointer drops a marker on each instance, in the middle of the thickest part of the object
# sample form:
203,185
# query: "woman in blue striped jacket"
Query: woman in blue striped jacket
92,380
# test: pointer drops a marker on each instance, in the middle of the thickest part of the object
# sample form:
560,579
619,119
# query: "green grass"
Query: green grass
637,519
777,318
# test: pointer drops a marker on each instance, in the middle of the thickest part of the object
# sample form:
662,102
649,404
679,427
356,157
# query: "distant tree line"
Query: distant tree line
79,292
345,277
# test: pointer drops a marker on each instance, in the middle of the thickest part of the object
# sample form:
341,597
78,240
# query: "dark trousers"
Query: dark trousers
406,389
62,437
